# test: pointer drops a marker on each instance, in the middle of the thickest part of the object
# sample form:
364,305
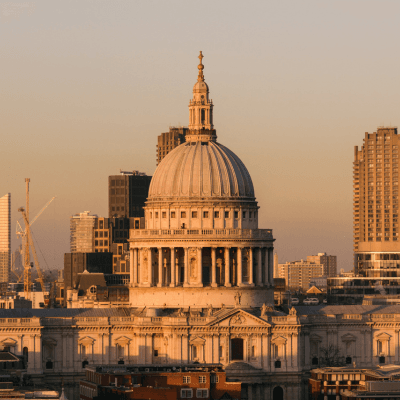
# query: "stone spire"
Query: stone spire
201,110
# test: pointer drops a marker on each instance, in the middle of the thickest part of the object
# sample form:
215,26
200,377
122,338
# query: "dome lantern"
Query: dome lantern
201,110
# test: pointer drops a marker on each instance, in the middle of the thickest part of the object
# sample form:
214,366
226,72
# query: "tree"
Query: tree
331,357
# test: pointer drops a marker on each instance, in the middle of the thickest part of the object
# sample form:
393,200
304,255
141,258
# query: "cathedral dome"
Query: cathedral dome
201,170
200,87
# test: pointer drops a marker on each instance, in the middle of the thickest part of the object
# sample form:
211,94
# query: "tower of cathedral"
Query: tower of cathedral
201,245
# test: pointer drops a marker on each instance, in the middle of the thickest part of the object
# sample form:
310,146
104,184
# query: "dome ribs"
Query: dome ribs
215,171
207,183
200,170
234,175
195,171
185,173
175,170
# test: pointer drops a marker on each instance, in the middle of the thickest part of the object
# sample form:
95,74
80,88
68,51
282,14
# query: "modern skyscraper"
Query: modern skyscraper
127,194
376,205
5,237
82,232
167,141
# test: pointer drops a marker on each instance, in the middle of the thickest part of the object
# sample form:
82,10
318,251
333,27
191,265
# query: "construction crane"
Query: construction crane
28,265
27,242
22,232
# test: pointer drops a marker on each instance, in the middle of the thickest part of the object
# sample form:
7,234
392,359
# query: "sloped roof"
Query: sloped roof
324,309
6,356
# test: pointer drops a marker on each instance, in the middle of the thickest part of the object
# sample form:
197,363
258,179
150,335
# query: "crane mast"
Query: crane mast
30,240
27,264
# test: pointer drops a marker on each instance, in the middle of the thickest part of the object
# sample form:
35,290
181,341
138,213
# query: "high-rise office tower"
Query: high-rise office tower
5,237
127,194
167,141
82,232
376,205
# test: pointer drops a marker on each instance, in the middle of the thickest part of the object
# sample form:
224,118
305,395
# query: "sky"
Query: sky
87,86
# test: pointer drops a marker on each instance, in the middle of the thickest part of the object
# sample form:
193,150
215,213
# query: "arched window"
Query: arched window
237,349
121,362
348,360
314,361
278,364
49,364
382,360
203,116
84,363
277,393
25,353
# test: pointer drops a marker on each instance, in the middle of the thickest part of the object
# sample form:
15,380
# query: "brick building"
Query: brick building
174,381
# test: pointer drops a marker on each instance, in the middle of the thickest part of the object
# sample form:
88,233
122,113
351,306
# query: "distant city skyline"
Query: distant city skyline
295,87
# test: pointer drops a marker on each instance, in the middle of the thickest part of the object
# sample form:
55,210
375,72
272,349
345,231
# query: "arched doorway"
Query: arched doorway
277,393
237,349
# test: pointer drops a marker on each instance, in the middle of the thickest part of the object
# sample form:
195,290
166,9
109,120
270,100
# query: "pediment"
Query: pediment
9,342
122,340
315,338
383,336
348,337
198,341
279,340
86,341
240,318
49,342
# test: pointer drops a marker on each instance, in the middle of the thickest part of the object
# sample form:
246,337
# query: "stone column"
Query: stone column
185,349
266,273
307,349
64,338
150,266
250,392
295,350
131,267
160,267
200,265
271,265
239,267
251,266
186,266
227,268
172,284
259,267
38,353
135,267
213,267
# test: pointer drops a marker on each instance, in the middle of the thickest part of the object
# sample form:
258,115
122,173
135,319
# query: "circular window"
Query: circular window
92,289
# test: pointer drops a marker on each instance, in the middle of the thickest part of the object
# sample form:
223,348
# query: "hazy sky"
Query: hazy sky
86,87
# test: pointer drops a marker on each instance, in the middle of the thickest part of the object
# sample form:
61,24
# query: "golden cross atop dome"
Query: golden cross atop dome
200,77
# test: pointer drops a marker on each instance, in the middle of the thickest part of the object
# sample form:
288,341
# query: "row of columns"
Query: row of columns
260,281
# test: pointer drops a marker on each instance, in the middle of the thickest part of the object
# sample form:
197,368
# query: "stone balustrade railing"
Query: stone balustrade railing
200,233
20,321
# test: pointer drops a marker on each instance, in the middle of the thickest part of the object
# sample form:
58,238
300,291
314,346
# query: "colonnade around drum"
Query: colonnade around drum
201,266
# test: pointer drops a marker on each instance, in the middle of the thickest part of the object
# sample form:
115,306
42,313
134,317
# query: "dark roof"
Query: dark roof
324,309
64,312
87,279
6,356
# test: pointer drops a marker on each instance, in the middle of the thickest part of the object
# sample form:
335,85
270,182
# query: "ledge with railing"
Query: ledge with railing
202,233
